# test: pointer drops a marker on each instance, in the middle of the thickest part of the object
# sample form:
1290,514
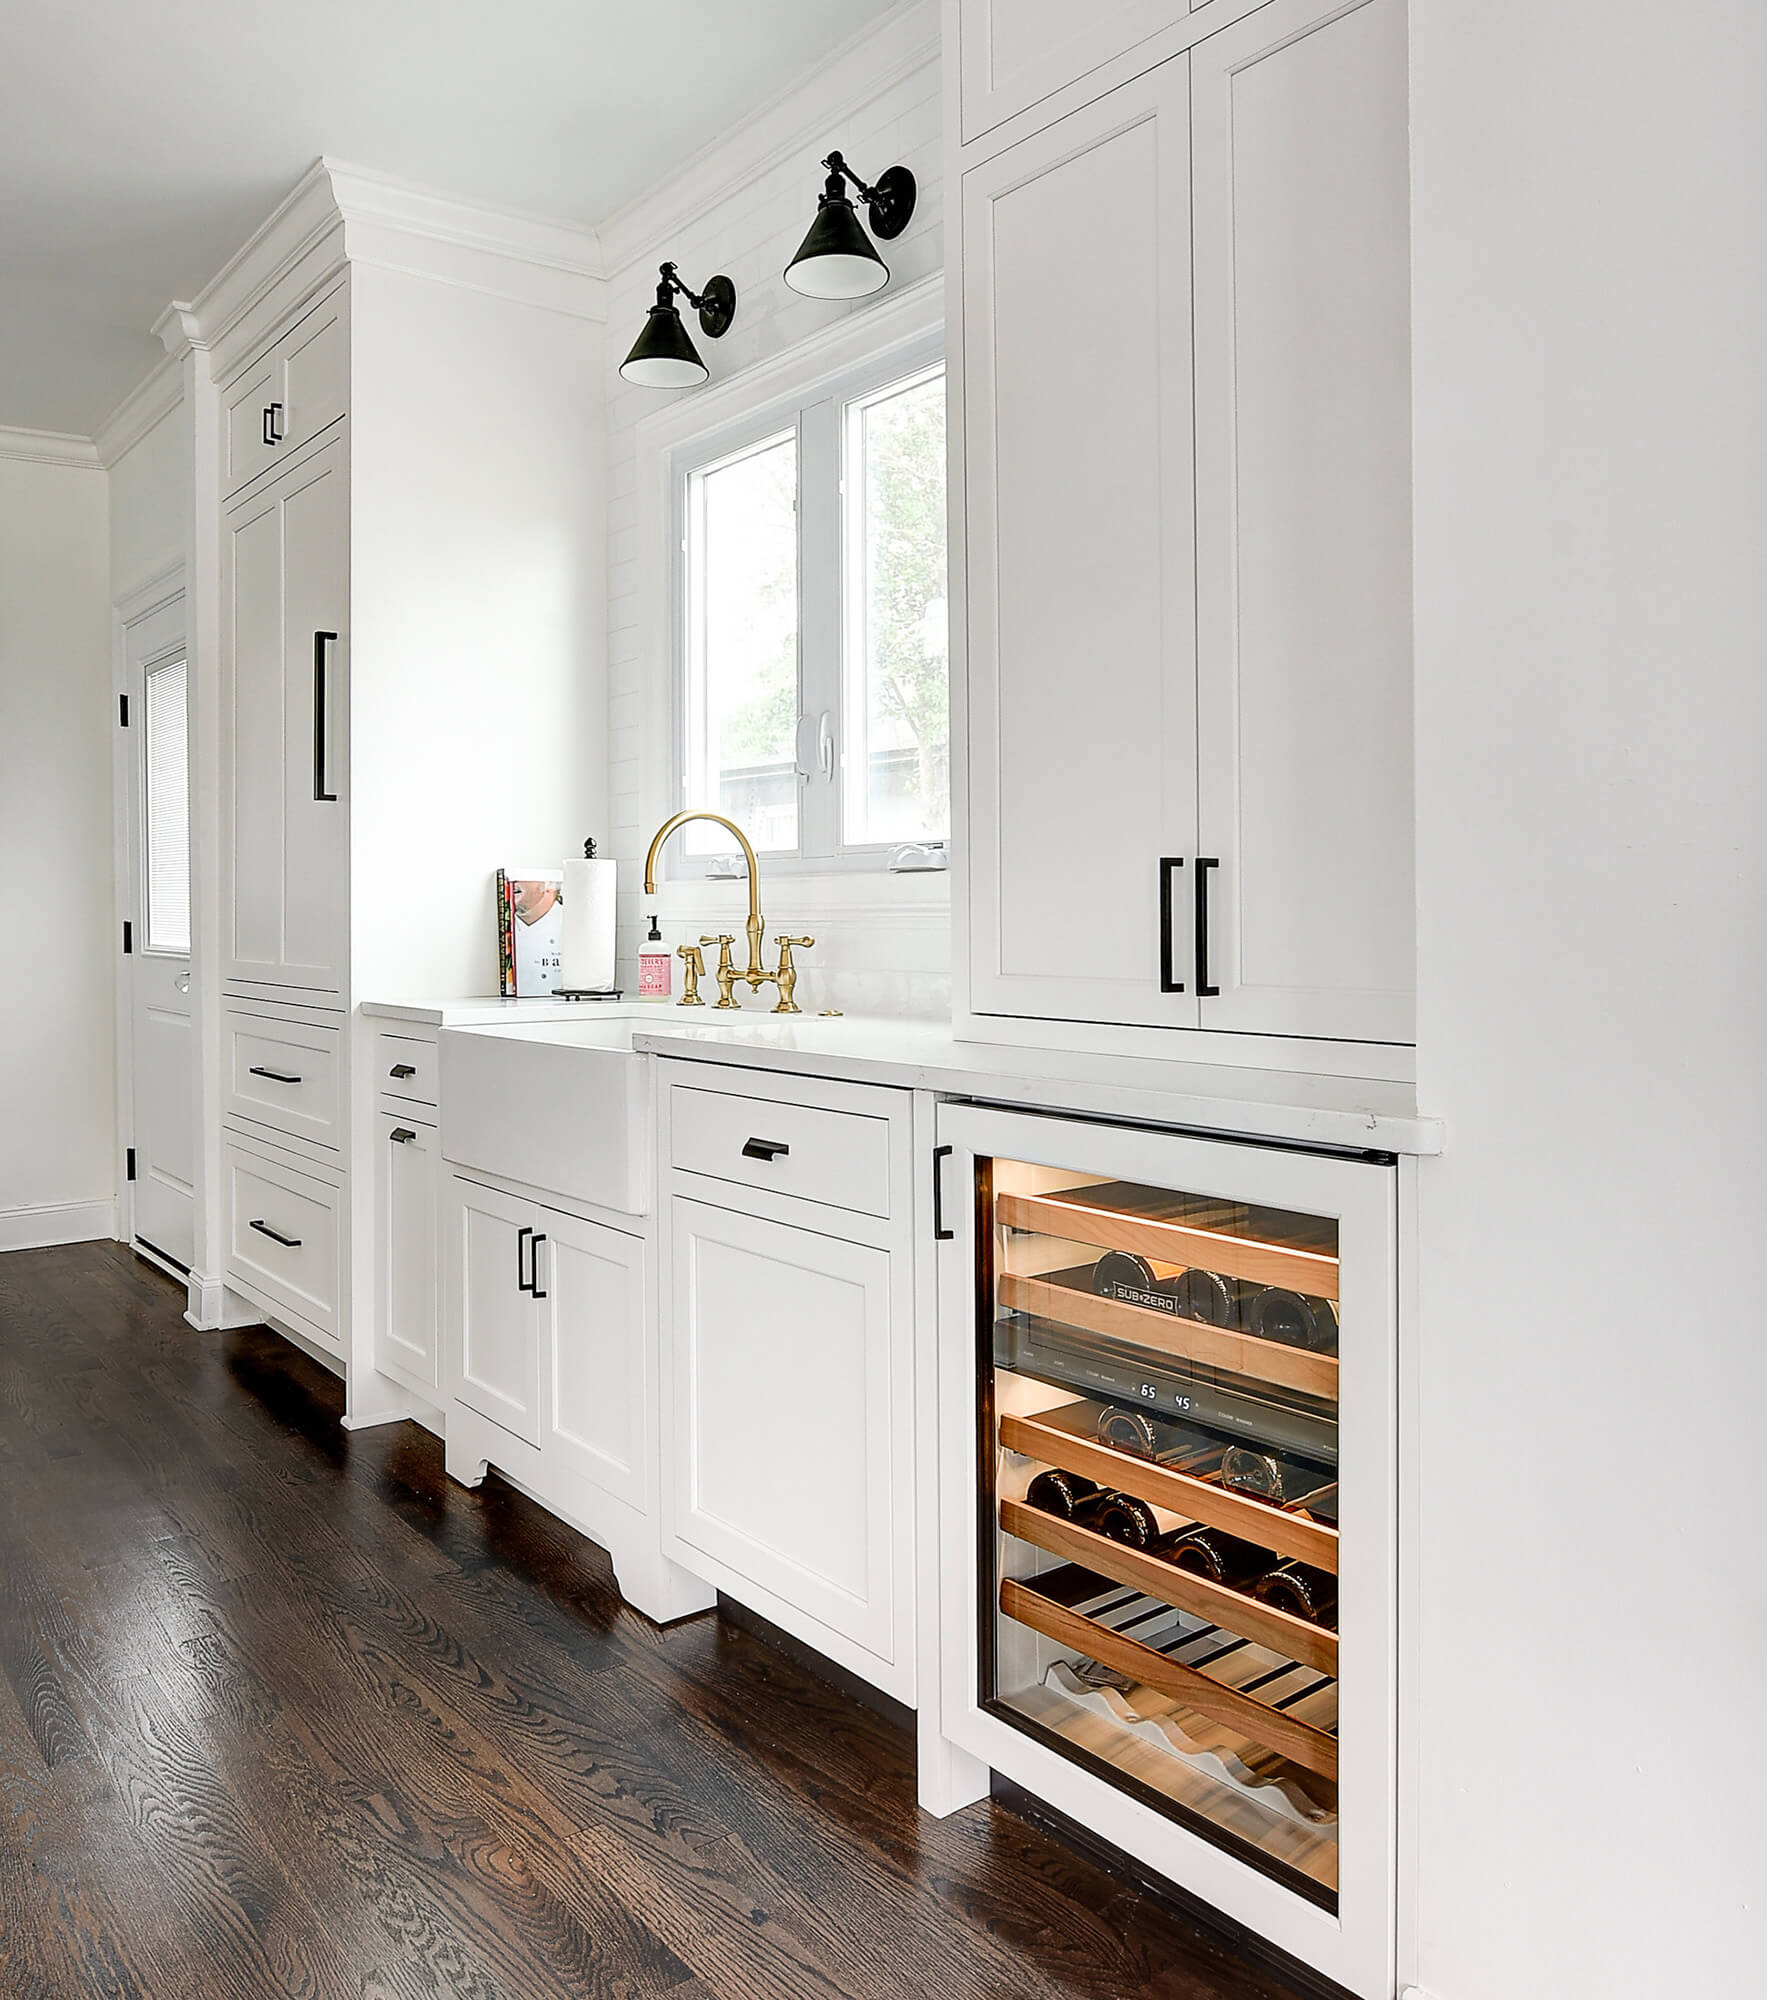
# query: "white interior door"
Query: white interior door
162,1066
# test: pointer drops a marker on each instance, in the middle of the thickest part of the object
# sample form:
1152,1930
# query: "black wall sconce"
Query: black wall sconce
663,357
836,260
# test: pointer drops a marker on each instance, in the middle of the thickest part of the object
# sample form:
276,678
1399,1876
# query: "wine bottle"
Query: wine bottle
1132,1280
1129,1430
1301,1590
1211,1298
1294,1319
1120,1517
1060,1493
1268,1476
1224,1559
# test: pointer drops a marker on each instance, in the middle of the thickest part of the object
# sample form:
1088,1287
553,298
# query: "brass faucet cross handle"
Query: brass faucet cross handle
786,978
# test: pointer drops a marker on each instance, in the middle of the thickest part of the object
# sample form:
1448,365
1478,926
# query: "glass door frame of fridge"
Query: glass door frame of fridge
1356,1946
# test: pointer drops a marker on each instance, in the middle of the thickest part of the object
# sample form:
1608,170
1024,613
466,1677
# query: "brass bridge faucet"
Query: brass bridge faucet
757,975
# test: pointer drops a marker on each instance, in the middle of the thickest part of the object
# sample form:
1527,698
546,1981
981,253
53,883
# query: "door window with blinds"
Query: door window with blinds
812,657
166,806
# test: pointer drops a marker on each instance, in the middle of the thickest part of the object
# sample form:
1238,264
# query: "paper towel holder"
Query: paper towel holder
586,992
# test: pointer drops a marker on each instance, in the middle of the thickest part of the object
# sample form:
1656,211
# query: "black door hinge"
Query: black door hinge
131,1161
128,937
123,711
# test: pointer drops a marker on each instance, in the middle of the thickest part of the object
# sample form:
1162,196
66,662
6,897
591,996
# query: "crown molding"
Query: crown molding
49,448
150,402
177,330
874,61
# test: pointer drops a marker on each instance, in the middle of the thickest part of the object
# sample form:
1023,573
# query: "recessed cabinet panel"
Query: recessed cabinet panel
316,371
252,419
1082,758
1304,520
316,711
252,859
1015,52
491,1240
594,1278
407,1166
782,1418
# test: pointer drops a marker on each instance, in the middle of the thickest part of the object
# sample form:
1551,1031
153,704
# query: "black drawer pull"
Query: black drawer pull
322,792
765,1149
940,1233
1169,866
276,1235
1203,866
401,1135
275,1075
521,1257
534,1266
273,423
403,1069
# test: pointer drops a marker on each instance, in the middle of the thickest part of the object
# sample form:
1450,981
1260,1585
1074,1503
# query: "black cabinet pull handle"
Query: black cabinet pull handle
401,1135
1169,866
276,1235
273,423
765,1149
534,1267
521,1252
275,1075
940,1233
403,1069
320,783
1202,927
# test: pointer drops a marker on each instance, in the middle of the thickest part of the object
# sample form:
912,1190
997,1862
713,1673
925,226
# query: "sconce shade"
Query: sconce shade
662,356
836,259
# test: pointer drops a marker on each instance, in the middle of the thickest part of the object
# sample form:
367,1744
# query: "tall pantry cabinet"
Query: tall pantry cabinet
408,435
1181,548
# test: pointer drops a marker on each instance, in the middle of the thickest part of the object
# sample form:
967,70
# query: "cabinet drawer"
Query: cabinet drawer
286,1074
405,1068
838,1158
284,1236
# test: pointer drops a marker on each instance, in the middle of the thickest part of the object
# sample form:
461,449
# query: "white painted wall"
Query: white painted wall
57,895
742,208
149,506
1591,399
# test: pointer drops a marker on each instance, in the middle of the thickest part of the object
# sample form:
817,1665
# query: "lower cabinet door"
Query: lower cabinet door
592,1306
494,1315
405,1283
782,1425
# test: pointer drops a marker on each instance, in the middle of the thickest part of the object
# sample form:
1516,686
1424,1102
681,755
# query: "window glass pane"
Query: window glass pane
897,763
742,564
166,777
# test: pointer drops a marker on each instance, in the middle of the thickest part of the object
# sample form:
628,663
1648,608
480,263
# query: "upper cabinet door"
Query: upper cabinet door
254,414
1079,560
290,394
1014,53
316,712
1303,528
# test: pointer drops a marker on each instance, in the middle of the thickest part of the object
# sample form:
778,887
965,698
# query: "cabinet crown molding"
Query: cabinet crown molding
338,214
48,448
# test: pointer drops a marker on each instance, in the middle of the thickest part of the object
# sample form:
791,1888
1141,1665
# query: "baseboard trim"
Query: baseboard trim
42,1225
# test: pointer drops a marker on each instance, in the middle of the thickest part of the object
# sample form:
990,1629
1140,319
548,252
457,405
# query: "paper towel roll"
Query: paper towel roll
588,948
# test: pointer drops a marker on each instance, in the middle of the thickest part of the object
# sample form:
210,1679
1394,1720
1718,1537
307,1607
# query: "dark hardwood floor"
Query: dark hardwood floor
283,1712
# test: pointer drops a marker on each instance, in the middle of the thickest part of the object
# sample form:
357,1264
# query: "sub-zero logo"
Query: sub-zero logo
1155,1301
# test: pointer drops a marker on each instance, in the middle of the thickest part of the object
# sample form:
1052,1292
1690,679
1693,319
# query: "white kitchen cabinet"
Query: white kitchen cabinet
289,394
788,1365
1185,544
493,1307
407,1194
1303,530
284,678
593,1323
1013,53
1081,627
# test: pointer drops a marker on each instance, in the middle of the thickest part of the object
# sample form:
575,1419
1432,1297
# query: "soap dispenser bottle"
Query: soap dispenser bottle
655,968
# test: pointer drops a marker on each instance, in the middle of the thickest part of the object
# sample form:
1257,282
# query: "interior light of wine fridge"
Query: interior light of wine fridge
1161,1606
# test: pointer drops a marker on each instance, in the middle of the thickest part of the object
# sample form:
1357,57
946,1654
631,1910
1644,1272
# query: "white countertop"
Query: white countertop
925,1055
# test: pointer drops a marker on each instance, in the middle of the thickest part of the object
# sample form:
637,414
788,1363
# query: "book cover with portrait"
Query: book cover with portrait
530,931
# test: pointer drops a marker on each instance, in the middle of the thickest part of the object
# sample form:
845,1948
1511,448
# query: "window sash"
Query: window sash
817,415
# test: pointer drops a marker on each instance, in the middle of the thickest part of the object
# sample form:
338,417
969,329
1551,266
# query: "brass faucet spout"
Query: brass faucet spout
756,929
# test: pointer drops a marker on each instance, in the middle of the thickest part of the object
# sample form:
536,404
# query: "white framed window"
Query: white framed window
809,645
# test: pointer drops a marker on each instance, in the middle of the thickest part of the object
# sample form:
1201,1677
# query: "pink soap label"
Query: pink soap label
653,974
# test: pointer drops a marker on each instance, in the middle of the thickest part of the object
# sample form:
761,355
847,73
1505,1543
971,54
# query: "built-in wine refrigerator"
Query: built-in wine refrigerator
1170,1611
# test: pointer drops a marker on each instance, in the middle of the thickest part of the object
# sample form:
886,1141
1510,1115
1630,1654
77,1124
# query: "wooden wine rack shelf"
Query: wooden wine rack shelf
1238,1353
1072,1218
1299,1741
1287,1534
1294,1638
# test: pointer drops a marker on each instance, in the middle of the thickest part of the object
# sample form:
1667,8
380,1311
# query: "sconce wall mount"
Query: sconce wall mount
664,356
836,259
